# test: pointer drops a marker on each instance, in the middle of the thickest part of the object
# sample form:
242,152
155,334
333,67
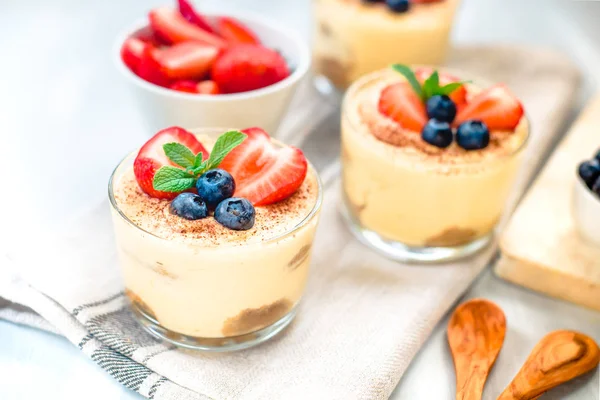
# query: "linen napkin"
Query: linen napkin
363,317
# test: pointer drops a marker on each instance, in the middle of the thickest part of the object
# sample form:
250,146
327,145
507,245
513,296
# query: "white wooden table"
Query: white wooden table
66,119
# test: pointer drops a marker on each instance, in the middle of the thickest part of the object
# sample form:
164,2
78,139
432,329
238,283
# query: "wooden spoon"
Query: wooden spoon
475,333
559,357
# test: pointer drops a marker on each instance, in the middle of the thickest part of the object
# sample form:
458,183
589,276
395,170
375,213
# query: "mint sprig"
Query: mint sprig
175,180
431,87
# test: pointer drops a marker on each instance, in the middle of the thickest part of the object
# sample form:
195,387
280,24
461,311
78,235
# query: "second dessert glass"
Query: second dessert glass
213,297
411,209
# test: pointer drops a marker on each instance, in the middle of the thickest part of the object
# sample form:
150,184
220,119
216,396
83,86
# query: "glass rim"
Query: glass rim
479,82
309,217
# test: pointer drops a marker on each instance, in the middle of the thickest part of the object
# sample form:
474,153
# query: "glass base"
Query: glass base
400,252
212,344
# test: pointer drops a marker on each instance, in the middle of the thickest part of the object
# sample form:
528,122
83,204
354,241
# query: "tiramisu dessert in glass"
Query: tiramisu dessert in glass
214,232
428,161
355,37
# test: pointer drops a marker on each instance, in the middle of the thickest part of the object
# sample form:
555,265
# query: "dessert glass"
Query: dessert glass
220,297
352,38
418,211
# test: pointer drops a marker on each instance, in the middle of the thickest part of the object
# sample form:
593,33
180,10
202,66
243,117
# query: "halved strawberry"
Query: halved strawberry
208,87
265,173
170,25
150,69
186,86
400,103
234,31
459,96
147,35
188,60
131,52
496,106
152,156
247,67
188,12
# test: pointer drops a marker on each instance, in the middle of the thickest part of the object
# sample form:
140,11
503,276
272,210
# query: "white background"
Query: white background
66,119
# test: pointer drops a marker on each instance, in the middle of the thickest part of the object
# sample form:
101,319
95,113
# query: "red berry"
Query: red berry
152,156
188,60
497,107
131,53
188,12
265,173
185,86
248,67
208,87
400,103
234,31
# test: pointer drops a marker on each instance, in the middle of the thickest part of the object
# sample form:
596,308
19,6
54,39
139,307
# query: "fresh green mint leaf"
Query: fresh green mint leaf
410,77
451,87
224,144
198,160
431,85
171,179
179,154
200,168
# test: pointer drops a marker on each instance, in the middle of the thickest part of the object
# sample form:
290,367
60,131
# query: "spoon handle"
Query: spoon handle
559,357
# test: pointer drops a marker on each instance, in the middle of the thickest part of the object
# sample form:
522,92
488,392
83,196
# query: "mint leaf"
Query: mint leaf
200,168
451,87
171,179
179,154
431,85
410,77
224,144
198,160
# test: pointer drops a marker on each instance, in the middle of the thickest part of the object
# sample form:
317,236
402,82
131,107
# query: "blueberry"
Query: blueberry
589,171
398,6
215,186
437,133
189,206
597,156
235,213
473,135
441,107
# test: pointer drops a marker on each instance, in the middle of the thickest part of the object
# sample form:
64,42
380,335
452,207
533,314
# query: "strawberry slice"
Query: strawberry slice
400,103
150,69
248,67
188,86
185,86
188,60
208,87
459,96
496,106
188,12
170,25
131,52
147,35
152,156
234,31
265,173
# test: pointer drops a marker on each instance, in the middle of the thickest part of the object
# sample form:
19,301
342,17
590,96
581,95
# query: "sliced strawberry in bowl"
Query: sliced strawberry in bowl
248,67
172,26
186,86
188,12
188,60
208,87
459,96
234,31
150,69
496,106
152,156
131,52
265,173
400,103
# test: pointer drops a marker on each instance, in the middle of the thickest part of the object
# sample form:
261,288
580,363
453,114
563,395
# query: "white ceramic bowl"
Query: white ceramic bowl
586,212
264,107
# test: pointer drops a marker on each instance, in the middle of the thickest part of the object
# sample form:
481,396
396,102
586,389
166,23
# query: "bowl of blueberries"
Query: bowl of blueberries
586,200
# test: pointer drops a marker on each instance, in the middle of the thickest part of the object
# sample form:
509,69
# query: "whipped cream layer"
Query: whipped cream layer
405,146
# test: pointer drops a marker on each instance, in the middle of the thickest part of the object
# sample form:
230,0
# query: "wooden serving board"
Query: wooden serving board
540,247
